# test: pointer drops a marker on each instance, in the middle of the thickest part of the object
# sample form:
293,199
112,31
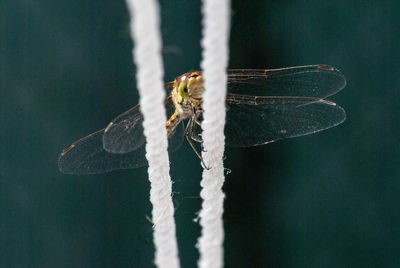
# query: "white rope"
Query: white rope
145,31
216,17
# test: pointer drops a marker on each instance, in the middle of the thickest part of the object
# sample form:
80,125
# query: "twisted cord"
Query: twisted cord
145,31
215,59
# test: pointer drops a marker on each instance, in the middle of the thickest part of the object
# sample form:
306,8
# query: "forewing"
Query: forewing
316,81
87,155
125,133
259,120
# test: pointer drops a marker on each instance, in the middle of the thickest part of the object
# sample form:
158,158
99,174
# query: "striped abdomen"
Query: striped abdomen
172,122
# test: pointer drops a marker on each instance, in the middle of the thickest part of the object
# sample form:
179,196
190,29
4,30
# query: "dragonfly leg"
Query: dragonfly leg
198,119
188,133
202,146
189,128
197,153
194,125
196,122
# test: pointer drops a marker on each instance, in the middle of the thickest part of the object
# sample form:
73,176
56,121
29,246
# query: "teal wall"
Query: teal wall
325,200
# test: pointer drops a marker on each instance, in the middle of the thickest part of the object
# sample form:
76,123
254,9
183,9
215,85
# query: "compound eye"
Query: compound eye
183,89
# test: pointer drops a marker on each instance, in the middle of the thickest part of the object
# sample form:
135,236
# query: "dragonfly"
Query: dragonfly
262,106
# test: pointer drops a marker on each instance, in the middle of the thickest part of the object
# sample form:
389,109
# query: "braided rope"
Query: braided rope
215,59
145,31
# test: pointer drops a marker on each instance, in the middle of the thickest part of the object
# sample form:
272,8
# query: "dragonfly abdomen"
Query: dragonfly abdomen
172,122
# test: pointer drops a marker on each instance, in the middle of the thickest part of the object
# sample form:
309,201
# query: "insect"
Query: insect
262,106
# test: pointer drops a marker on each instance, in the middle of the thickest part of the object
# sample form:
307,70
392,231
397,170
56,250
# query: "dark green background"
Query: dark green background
325,200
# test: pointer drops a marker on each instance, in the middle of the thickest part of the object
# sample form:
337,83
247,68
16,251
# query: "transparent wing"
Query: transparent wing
259,120
318,81
87,156
125,133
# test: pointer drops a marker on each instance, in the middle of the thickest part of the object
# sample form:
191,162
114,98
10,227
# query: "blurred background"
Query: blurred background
326,200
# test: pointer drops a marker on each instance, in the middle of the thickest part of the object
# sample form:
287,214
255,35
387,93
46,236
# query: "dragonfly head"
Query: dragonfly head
190,86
